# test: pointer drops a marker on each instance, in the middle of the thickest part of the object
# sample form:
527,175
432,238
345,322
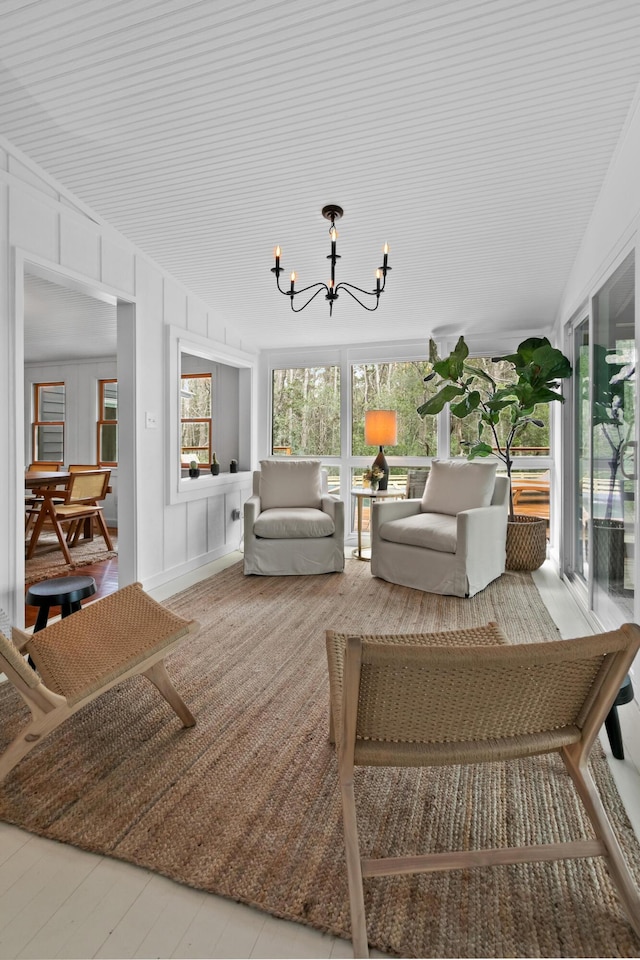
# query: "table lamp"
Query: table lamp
380,428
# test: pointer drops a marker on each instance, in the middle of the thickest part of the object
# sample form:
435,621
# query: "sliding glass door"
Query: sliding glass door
611,484
582,451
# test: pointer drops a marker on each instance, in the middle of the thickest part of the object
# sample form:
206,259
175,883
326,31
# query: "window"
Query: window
396,386
47,436
107,423
306,412
195,418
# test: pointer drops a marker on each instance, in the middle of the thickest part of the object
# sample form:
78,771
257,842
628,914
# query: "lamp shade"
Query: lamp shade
380,428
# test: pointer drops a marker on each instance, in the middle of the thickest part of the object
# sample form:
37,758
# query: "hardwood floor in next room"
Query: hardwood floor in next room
105,574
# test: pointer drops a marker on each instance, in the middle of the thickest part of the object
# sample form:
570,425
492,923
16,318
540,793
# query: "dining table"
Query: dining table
54,479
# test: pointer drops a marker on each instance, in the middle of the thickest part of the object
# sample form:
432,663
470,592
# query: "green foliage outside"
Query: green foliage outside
398,386
306,408
195,442
306,411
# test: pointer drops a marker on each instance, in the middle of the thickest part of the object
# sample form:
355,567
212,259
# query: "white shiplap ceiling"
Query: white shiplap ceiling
472,136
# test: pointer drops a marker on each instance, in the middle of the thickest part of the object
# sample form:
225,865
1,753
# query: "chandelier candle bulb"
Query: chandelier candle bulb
293,280
385,250
378,279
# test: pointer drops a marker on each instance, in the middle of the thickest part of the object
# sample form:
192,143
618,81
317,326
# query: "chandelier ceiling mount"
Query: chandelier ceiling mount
332,289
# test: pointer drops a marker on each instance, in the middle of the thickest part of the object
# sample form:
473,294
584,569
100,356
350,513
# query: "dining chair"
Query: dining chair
33,501
44,466
81,502
81,657
468,697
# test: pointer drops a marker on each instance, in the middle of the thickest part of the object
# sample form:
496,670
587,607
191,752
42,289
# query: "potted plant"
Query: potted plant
194,469
612,434
537,368
215,465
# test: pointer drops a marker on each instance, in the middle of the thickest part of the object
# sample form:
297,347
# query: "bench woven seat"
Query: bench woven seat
80,657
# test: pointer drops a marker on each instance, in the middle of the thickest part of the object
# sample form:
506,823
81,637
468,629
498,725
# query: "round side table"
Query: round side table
366,493
64,592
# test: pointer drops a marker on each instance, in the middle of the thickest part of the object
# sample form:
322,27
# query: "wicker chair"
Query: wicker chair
81,657
80,503
468,697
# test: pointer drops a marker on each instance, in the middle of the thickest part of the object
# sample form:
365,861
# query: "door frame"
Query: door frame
125,304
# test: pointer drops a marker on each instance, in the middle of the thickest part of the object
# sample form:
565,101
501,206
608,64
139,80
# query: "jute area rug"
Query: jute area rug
246,804
48,559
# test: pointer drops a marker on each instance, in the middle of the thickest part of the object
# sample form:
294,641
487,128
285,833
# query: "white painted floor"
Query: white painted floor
57,901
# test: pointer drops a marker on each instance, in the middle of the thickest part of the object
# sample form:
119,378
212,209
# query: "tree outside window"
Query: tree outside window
195,418
306,412
395,386
47,429
107,445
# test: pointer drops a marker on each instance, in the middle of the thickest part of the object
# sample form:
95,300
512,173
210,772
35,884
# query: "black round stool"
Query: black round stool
612,722
64,592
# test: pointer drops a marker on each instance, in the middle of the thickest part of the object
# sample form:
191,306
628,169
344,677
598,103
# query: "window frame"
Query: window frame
102,421
36,423
209,420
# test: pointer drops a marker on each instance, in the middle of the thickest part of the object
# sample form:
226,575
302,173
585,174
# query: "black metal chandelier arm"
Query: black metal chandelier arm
287,293
321,287
345,287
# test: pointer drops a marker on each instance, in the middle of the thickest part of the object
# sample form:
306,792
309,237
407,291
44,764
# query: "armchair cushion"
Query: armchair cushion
457,485
293,523
290,483
435,531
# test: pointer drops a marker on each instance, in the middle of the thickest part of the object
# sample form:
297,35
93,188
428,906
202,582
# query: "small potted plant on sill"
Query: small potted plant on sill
215,465
537,369
194,469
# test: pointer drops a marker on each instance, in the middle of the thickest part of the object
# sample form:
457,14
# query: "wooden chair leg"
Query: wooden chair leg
104,530
62,540
354,870
620,874
30,736
158,675
42,515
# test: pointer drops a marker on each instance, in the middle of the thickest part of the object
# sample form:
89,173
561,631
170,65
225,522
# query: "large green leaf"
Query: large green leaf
437,403
467,405
480,450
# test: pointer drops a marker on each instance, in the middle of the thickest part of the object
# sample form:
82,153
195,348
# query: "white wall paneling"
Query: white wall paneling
156,541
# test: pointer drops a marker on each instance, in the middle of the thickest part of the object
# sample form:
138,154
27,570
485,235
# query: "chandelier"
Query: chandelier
332,290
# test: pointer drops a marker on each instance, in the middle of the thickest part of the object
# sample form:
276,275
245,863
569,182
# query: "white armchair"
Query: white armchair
292,525
453,540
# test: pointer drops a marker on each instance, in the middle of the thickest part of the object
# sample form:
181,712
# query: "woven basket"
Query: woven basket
526,542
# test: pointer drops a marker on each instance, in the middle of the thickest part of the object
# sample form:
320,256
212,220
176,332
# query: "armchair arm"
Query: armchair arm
333,506
482,529
251,512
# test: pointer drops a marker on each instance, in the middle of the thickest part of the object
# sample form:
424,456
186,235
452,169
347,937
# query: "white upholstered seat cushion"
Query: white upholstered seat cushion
457,485
290,483
434,531
293,523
